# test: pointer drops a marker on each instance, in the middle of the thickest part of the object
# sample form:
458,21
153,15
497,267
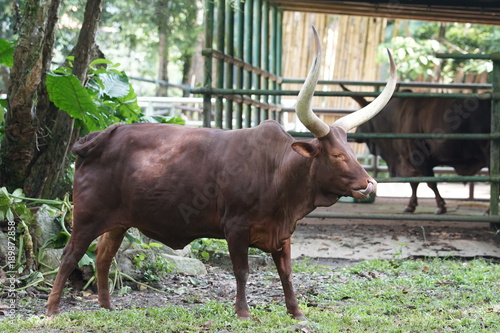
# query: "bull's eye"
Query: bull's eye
336,155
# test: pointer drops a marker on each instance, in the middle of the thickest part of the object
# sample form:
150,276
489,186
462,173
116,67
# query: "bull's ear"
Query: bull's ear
305,149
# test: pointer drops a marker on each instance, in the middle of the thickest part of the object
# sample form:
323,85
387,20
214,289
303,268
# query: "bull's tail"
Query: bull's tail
360,100
86,145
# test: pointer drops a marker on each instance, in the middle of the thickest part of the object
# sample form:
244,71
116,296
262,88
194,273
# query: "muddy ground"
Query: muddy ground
328,242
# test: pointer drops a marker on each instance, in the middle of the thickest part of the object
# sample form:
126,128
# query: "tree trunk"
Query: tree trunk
187,61
162,90
162,12
38,136
46,178
20,139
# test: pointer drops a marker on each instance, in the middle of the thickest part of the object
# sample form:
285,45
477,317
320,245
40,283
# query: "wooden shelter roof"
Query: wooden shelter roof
465,11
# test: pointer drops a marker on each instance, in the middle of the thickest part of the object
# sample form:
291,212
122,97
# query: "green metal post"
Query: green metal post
256,52
239,54
209,39
272,54
247,78
279,57
495,128
229,67
265,54
221,14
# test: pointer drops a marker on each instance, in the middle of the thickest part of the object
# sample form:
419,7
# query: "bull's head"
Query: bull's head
338,172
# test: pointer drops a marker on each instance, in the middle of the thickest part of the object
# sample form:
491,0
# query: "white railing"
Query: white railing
189,108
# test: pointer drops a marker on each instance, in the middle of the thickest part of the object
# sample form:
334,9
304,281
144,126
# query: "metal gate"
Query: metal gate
248,90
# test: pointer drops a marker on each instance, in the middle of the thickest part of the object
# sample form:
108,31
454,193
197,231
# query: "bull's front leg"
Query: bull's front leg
413,203
238,250
283,261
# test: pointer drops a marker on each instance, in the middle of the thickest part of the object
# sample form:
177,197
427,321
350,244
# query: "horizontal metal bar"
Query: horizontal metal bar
463,56
436,170
411,217
435,179
433,85
323,110
439,136
219,91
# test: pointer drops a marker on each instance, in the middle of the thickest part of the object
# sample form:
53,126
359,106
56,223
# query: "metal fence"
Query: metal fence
247,90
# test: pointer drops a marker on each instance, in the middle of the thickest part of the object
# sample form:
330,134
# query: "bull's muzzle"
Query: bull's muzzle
365,193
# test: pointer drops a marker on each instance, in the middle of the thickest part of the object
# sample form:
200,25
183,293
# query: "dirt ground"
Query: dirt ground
365,239
329,242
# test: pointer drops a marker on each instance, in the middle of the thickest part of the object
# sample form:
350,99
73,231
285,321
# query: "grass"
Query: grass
373,296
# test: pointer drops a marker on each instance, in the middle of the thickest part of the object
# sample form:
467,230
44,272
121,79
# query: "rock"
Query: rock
4,247
185,265
301,326
127,263
51,259
185,252
46,224
255,262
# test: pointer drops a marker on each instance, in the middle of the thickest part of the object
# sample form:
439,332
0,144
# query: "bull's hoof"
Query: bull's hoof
301,317
440,210
244,315
107,306
52,311
409,209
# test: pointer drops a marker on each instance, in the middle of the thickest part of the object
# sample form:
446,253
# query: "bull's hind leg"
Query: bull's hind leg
441,204
73,252
106,249
283,262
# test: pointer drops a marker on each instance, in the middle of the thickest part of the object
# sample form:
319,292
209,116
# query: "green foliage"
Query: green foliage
415,53
206,248
9,204
414,57
162,120
152,265
152,269
108,97
6,53
6,59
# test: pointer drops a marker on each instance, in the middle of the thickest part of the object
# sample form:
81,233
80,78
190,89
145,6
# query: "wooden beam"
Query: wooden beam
473,14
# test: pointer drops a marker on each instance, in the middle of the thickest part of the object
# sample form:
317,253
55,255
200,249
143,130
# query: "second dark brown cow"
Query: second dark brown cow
418,157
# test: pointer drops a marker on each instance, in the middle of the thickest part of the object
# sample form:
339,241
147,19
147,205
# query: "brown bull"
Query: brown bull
418,157
176,184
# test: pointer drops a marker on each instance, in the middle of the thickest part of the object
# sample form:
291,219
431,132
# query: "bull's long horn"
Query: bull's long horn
303,106
368,112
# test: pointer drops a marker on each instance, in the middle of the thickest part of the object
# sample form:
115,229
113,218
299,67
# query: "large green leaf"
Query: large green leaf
6,53
127,108
67,93
114,85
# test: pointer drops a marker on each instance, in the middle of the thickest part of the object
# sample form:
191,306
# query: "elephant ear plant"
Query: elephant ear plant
107,98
